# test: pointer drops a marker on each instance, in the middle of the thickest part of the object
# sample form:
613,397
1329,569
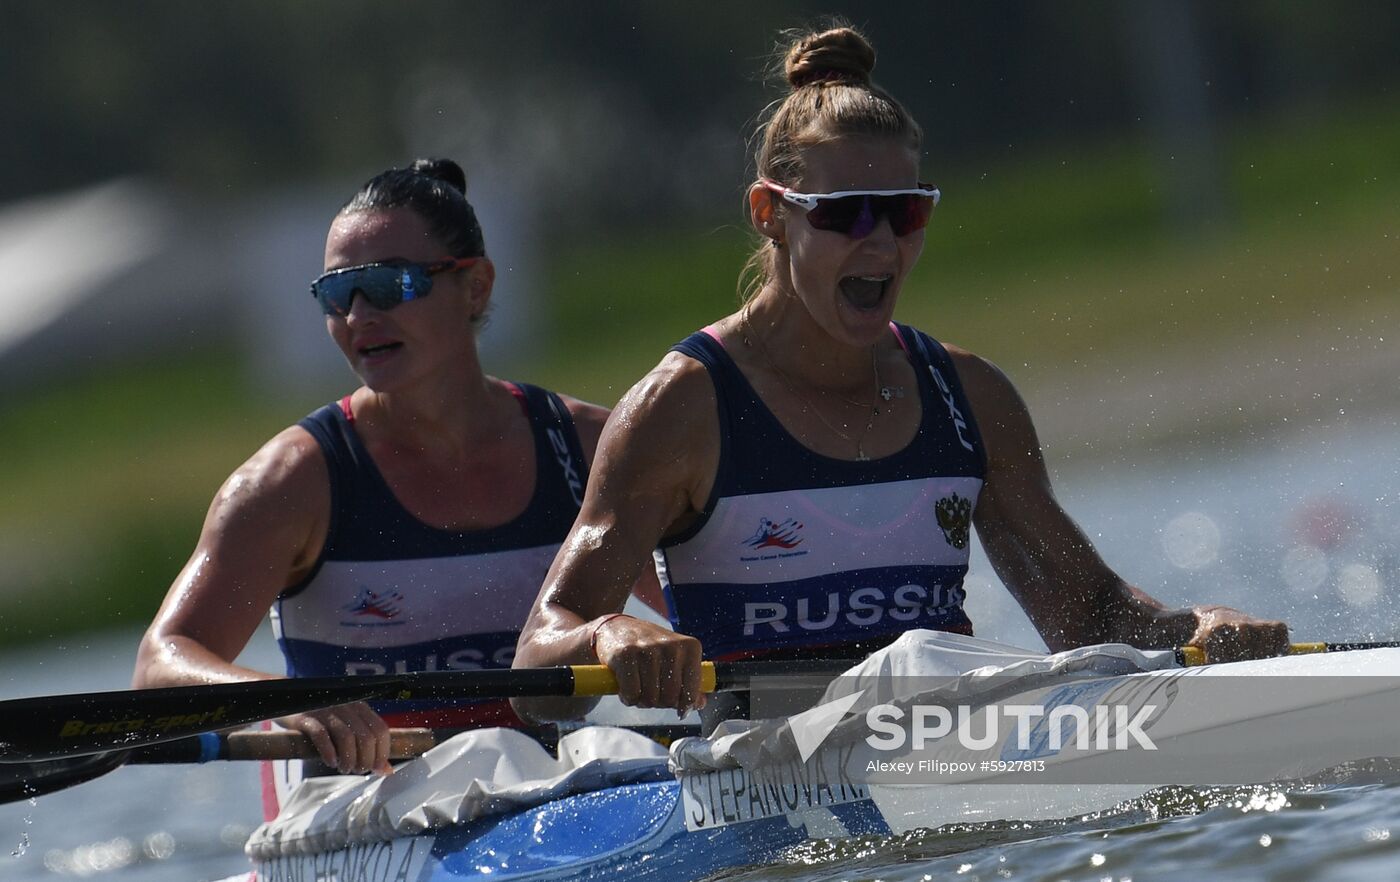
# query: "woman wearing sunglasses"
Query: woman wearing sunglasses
807,470
407,526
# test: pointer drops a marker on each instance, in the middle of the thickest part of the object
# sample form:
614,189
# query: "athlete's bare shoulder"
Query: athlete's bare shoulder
671,402
282,491
1001,413
289,461
988,387
263,534
664,433
676,380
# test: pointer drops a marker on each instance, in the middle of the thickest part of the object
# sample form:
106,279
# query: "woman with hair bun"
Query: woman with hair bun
808,470
407,526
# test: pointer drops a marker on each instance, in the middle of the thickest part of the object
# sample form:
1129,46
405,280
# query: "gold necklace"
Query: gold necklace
886,394
882,393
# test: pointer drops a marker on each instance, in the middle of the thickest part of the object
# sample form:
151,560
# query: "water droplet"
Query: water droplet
1191,541
158,846
1304,568
1359,585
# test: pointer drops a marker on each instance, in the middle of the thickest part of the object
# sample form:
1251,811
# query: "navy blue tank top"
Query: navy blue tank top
392,594
796,550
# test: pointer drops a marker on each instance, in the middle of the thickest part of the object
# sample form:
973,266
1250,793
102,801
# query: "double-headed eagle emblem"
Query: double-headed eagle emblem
955,517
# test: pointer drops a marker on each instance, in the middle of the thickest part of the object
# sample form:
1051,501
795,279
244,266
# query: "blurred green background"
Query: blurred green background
1173,224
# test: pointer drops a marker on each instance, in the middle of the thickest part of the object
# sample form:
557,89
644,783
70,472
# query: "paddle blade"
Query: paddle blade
21,781
76,725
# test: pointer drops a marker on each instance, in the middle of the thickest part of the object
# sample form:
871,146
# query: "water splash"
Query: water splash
23,848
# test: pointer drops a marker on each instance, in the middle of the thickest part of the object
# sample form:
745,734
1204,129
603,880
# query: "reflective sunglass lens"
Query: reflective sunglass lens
333,295
840,215
913,215
384,286
857,216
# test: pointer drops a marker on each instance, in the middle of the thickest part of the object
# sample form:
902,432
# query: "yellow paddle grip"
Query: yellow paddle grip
599,680
1191,656
1306,648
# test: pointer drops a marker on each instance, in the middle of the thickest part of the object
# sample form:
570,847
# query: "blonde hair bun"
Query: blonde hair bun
839,54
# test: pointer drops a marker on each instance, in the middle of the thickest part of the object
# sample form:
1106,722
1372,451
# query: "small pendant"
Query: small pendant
860,454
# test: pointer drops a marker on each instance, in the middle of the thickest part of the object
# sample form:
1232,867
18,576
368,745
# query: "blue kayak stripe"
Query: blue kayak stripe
606,834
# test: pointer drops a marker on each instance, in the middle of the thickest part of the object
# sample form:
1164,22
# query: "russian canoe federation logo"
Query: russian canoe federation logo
771,535
370,608
955,517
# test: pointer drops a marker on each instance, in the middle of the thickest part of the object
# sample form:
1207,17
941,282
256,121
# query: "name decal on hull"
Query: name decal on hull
401,860
731,796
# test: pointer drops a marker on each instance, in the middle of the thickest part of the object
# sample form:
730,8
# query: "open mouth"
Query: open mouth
865,292
379,349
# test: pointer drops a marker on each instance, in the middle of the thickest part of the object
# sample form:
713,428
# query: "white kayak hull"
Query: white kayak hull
655,830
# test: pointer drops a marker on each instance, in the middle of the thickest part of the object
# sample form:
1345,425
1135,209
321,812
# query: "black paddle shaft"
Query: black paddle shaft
58,726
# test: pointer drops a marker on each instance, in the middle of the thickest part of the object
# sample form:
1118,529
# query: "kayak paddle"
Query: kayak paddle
60,726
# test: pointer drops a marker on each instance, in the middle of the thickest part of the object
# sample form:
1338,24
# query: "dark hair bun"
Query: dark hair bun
434,188
444,170
840,54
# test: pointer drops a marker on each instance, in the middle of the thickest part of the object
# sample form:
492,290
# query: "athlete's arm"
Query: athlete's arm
655,464
262,534
1052,569
590,419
